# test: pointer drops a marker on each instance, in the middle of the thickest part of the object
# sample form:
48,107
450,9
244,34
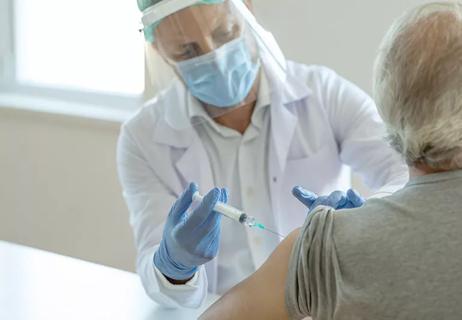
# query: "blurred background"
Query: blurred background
72,72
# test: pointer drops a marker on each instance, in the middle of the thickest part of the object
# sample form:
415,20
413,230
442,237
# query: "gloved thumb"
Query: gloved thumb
304,196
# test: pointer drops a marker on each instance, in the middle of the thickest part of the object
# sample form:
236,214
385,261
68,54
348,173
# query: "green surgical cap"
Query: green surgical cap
144,4
149,30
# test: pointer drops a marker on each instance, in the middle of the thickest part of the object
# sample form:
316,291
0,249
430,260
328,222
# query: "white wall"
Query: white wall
58,187
344,35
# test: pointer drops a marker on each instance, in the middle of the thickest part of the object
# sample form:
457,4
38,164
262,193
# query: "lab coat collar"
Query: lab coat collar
289,90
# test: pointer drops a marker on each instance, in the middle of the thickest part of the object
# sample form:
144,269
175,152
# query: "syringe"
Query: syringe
236,215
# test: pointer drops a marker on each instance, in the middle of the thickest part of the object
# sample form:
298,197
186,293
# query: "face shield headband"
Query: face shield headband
153,15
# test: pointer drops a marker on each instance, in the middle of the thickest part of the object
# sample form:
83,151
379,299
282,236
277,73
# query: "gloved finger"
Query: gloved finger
336,199
201,213
304,196
355,198
320,201
182,203
224,196
213,221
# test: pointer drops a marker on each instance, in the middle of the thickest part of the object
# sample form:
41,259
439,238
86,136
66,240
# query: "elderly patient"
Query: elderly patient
398,257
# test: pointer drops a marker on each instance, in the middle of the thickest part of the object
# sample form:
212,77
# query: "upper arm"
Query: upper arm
300,277
313,277
261,296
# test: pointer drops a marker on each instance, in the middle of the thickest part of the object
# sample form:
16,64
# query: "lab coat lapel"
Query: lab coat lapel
167,140
194,166
190,163
283,124
286,95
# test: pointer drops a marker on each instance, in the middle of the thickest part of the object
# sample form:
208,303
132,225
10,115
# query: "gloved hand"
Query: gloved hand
336,200
190,240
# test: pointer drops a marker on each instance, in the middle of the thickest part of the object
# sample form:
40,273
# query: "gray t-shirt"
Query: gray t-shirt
399,257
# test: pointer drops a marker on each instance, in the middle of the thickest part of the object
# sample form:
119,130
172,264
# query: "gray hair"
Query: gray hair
418,85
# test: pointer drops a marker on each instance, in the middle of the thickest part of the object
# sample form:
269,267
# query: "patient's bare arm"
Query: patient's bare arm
261,296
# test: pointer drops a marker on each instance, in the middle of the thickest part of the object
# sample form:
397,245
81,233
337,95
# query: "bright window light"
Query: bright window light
91,45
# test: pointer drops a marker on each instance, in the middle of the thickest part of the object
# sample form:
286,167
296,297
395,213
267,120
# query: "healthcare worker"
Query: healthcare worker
232,112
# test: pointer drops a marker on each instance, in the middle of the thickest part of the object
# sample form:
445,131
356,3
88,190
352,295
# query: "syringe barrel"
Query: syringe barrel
224,209
229,211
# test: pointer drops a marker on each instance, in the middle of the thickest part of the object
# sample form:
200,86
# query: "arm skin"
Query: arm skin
261,296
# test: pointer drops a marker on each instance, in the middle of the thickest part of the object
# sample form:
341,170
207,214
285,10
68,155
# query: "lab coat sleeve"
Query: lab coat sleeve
149,203
360,135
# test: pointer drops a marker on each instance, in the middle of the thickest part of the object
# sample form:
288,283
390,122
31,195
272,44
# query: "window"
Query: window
75,49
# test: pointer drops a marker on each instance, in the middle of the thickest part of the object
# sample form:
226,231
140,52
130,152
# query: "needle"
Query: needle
262,227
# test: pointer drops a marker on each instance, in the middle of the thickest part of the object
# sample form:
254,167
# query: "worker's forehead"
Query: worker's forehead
193,22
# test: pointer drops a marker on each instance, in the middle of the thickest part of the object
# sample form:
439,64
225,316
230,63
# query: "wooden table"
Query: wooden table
38,285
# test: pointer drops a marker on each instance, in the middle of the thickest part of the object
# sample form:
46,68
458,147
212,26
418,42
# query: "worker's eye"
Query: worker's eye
185,52
226,33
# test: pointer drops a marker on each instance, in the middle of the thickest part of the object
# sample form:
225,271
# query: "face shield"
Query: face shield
212,53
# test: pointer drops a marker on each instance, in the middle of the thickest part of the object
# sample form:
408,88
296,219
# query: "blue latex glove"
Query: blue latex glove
336,200
190,240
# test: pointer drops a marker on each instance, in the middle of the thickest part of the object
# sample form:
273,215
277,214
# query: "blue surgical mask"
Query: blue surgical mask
223,77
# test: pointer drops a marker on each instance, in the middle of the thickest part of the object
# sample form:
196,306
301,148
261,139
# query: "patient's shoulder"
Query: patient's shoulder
347,221
369,231
353,229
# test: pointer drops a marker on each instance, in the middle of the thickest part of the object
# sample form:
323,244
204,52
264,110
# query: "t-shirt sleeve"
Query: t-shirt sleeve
311,287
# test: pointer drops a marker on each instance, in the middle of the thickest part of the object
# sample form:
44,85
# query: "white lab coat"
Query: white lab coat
321,126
